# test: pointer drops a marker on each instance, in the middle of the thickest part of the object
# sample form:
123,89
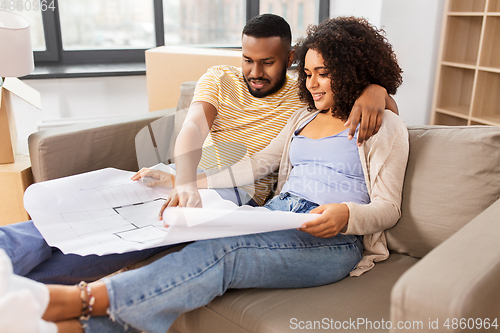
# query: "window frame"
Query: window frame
54,55
50,31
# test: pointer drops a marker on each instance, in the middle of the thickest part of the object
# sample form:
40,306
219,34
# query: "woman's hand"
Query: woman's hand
182,196
333,219
163,179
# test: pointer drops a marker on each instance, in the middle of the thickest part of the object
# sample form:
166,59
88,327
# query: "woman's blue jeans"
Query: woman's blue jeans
150,298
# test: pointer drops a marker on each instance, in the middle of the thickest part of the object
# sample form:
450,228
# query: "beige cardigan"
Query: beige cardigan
383,157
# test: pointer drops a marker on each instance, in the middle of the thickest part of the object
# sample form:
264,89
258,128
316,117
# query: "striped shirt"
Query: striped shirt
244,124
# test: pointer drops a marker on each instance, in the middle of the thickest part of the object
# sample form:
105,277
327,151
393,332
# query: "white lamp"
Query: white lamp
16,59
16,55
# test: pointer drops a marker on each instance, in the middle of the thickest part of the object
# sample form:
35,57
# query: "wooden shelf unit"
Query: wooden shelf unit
467,89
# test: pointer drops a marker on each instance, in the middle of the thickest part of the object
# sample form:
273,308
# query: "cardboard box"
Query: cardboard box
14,179
8,133
168,67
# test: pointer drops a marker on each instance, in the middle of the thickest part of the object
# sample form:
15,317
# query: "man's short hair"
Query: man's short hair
268,25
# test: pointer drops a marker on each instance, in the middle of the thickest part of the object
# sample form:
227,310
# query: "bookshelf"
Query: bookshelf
467,88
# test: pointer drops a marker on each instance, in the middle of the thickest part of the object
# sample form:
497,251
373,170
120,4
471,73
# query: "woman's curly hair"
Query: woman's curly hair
355,54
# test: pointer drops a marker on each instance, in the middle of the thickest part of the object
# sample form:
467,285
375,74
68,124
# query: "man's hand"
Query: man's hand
333,219
182,196
163,179
367,111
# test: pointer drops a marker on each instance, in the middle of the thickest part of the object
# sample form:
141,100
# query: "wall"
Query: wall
413,27
66,101
369,9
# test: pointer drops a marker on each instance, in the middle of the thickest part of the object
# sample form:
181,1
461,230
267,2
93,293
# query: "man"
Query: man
247,107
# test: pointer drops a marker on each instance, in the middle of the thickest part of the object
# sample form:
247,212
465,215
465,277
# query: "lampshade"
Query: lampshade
16,55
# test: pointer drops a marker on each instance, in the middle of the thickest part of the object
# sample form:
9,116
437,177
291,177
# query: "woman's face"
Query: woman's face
318,80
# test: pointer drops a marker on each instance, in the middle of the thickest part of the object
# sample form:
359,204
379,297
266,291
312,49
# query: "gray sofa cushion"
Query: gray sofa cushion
270,310
75,149
458,279
453,174
187,93
155,143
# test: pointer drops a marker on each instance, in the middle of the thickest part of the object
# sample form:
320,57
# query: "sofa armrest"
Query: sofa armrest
71,150
458,279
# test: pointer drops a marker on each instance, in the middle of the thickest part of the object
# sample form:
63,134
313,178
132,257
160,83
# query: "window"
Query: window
110,24
298,13
66,32
207,22
300,18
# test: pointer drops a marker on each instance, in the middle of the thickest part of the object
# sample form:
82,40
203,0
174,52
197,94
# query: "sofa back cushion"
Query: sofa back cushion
453,174
187,93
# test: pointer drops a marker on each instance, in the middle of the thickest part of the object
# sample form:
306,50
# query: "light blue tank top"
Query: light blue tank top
326,170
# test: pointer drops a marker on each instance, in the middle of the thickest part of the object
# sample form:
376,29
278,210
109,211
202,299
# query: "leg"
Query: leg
71,268
32,257
25,246
66,305
69,326
283,259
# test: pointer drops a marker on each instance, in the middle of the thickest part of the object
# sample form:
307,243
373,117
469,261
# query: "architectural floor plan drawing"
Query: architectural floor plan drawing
133,206
98,212
104,212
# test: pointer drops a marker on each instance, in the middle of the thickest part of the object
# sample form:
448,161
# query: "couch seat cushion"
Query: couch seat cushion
271,310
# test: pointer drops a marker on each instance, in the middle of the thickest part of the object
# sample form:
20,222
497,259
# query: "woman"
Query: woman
357,191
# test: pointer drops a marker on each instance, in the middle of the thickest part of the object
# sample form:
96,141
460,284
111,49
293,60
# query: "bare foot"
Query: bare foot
69,326
64,303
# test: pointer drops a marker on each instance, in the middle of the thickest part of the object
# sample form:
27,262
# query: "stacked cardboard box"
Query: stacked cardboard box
14,179
168,67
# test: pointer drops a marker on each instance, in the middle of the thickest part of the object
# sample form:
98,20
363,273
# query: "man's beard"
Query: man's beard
273,89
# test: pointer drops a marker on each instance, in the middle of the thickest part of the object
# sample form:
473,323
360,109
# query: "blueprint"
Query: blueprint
104,212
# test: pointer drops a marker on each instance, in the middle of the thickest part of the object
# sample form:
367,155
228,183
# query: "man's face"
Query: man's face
264,64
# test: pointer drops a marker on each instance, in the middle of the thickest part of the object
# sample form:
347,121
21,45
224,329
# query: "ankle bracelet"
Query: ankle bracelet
88,300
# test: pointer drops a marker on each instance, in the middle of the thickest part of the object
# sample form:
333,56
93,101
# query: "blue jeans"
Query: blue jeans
33,258
150,298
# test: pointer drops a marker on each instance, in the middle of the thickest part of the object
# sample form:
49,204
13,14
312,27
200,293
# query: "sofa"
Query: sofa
443,274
